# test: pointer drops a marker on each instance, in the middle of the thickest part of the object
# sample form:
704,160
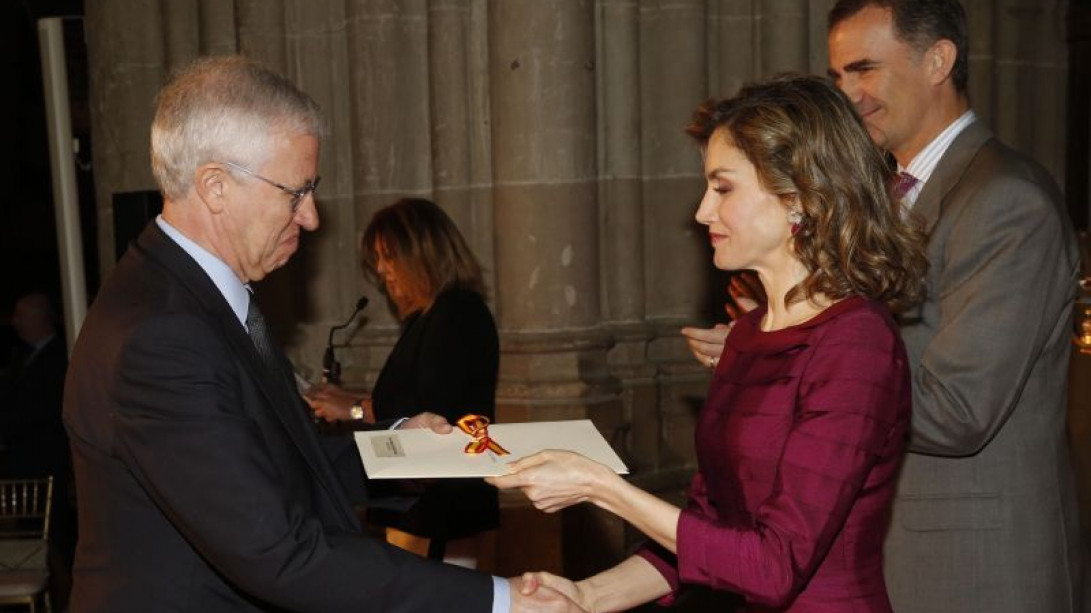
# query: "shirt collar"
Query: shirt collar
233,290
924,163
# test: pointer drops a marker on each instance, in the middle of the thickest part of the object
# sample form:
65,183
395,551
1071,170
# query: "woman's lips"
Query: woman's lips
715,238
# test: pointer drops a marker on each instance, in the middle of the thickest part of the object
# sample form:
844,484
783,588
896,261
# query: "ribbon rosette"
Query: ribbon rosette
477,426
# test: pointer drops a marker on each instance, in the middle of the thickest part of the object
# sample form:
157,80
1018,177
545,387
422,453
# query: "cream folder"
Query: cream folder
423,454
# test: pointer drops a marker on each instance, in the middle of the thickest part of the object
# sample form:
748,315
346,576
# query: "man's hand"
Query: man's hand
746,294
571,590
537,597
437,423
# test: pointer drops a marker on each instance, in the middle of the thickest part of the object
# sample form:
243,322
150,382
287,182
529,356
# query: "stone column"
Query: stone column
621,226
784,40
390,138
218,25
1030,81
677,256
817,26
731,46
126,66
543,133
261,32
461,156
323,281
181,32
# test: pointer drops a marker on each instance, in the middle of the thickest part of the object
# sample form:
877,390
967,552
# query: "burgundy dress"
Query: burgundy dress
798,448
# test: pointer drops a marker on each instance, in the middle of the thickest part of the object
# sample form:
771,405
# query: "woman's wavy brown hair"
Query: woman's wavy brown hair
809,147
426,247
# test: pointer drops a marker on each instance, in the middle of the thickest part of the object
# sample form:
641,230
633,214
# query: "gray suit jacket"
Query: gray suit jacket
985,518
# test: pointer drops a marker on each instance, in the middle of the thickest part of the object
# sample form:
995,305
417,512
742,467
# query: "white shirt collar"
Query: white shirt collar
233,290
924,163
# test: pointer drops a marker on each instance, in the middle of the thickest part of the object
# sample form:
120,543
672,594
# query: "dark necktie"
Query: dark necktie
263,341
903,184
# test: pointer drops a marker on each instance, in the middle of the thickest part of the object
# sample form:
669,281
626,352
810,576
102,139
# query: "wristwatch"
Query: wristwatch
356,411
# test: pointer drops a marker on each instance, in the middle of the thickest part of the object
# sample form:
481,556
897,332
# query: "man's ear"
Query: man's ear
941,58
210,182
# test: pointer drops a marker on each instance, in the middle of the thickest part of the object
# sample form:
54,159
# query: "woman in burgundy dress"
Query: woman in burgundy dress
800,439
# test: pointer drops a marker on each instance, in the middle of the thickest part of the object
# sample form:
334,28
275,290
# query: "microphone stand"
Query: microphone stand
331,368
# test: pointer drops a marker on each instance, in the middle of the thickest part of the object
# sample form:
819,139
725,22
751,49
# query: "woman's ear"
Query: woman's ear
210,181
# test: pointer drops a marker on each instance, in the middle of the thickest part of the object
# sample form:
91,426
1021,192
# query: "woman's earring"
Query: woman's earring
795,218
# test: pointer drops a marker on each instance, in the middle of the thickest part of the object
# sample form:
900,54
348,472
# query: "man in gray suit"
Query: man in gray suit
985,517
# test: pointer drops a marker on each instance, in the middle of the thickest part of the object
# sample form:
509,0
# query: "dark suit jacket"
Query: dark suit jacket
30,416
202,485
985,517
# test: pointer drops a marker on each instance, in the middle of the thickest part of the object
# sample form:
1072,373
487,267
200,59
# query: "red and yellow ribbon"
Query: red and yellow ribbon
477,426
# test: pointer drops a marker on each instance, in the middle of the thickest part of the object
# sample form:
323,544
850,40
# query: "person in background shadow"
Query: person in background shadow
803,430
31,428
445,362
203,484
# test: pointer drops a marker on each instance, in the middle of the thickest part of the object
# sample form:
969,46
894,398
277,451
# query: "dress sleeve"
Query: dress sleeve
852,411
663,560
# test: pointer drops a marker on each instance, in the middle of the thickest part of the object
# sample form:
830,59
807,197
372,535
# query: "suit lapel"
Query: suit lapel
949,172
283,399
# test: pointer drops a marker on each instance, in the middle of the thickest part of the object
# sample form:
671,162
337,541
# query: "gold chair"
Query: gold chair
25,505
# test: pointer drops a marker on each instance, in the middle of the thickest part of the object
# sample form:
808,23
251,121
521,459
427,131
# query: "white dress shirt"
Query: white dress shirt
924,163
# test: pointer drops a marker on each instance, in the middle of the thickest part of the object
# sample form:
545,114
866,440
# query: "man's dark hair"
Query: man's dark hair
920,23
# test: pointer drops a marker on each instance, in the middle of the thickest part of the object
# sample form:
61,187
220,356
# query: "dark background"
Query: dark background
28,236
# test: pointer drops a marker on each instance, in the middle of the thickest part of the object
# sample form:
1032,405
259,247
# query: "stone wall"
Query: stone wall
551,130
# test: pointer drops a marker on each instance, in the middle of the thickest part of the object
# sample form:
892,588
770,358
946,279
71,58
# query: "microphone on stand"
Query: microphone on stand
331,368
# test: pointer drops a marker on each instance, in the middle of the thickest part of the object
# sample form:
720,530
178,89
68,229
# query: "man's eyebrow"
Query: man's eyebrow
859,65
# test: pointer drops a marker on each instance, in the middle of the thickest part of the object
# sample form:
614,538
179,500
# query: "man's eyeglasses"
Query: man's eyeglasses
297,194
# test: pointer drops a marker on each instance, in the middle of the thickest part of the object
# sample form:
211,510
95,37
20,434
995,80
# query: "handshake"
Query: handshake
542,591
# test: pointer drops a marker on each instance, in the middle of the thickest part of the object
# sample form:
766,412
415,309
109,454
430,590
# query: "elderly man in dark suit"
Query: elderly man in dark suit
202,484
985,517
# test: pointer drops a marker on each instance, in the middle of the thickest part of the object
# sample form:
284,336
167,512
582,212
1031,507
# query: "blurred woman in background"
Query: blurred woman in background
445,361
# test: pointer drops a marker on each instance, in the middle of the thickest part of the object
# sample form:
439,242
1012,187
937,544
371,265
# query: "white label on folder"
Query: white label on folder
387,446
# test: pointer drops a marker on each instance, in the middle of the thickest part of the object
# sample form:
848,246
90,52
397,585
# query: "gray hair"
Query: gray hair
224,109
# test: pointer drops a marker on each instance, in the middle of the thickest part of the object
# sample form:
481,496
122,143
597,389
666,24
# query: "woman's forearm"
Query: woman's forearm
631,583
656,518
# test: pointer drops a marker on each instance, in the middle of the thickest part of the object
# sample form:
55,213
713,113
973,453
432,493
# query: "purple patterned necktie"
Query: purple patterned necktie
903,184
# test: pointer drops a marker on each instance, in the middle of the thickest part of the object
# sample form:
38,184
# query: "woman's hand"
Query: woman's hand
530,582
554,479
707,344
333,403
